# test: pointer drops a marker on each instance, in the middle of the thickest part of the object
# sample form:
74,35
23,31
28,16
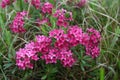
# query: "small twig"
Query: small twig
28,8
23,39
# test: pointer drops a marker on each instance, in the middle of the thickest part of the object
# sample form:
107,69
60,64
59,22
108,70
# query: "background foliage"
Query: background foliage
103,15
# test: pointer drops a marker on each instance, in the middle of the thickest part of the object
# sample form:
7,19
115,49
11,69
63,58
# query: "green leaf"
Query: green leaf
44,31
102,73
7,65
53,22
44,77
52,1
117,30
82,67
3,73
21,6
11,50
115,38
7,37
74,14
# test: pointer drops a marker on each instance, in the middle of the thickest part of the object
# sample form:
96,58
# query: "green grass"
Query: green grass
103,15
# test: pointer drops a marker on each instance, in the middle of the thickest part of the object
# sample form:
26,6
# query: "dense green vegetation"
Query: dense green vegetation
103,15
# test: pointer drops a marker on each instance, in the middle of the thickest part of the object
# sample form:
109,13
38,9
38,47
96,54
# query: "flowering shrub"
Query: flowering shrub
81,3
47,8
4,3
60,40
60,50
35,3
93,42
17,26
63,17
51,35
25,55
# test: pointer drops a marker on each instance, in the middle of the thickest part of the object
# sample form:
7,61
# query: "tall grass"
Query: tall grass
103,15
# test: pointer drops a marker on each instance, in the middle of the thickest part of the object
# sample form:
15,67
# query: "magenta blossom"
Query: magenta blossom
57,47
81,3
56,33
75,35
17,26
47,8
51,56
25,56
35,3
42,43
4,3
92,45
63,17
66,58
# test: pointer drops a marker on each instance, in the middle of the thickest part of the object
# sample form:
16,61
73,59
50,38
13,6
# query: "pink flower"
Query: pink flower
59,49
66,58
62,42
22,60
59,13
63,17
35,3
62,22
42,43
75,35
4,3
94,35
61,39
81,3
51,56
25,56
31,50
17,26
93,43
30,45
56,33
94,52
85,39
47,8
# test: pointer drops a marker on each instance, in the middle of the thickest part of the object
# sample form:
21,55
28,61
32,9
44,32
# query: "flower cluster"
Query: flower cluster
49,53
51,56
42,44
53,53
47,8
59,48
93,43
17,26
35,3
62,40
56,33
63,17
57,45
66,57
25,56
4,3
81,3
75,36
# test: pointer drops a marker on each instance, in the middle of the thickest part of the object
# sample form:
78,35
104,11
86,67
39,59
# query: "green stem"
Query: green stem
21,7
102,73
